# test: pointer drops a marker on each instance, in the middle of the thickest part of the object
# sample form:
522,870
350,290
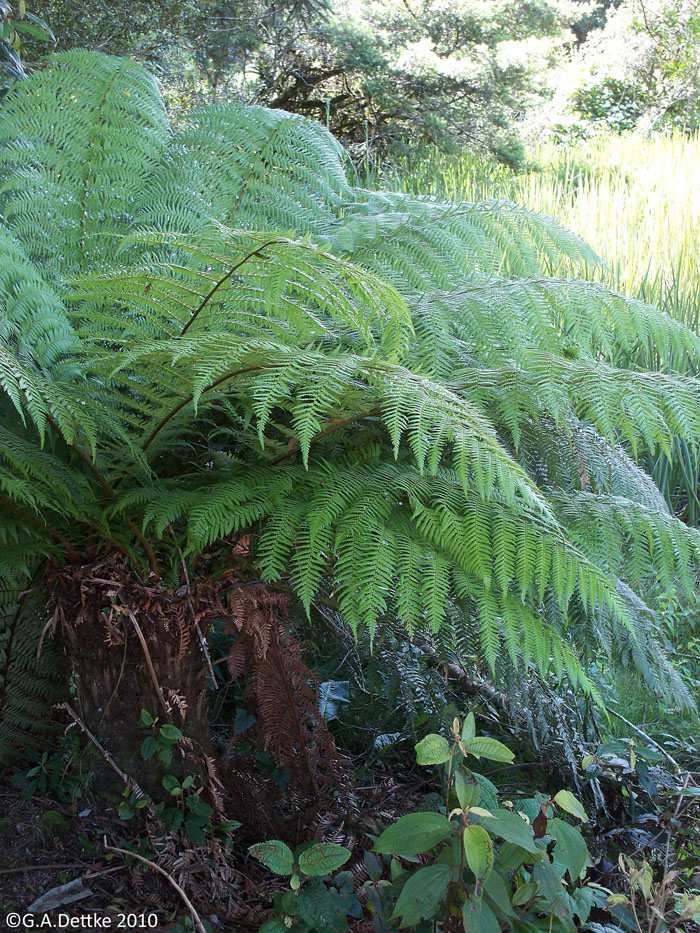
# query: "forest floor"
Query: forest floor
46,843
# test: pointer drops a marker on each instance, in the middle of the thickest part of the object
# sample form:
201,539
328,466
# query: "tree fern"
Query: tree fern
248,166
30,667
211,333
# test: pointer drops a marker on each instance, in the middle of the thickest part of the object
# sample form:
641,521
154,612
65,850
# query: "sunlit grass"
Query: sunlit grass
635,200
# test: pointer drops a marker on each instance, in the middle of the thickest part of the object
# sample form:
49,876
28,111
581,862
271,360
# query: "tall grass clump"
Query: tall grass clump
638,201
635,199
463,176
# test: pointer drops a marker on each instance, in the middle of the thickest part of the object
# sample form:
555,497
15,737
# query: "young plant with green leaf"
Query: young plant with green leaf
492,866
653,905
17,24
217,352
314,902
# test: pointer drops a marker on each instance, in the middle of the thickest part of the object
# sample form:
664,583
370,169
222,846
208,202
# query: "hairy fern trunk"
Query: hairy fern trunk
134,647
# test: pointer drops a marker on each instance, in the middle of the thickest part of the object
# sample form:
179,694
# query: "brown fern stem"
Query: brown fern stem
222,281
84,457
146,545
189,399
275,648
336,426
111,495
26,516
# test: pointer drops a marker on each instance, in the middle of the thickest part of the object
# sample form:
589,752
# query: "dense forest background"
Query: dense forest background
349,463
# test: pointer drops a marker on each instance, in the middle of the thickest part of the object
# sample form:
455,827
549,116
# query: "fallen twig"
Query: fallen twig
149,664
129,781
195,916
200,635
13,871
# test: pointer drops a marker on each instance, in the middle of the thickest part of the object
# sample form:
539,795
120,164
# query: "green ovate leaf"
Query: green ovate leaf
566,800
512,828
479,918
469,728
275,855
524,894
478,850
170,733
323,858
467,788
551,890
488,793
422,896
432,750
171,784
193,828
511,856
497,892
584,899
146,718
322,908
273,926
570,851
414,834
483,747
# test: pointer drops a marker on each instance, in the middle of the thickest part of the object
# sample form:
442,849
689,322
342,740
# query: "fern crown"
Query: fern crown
210,330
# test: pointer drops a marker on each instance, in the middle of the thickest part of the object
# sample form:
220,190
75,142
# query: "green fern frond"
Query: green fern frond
502,319
66,181
30,678
422,244
244,280
247,167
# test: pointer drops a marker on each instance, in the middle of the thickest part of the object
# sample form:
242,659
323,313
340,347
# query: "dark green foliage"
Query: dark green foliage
375,73
594,17
642,70
612,103
314,903
17,27
211,38
485,863
29,673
